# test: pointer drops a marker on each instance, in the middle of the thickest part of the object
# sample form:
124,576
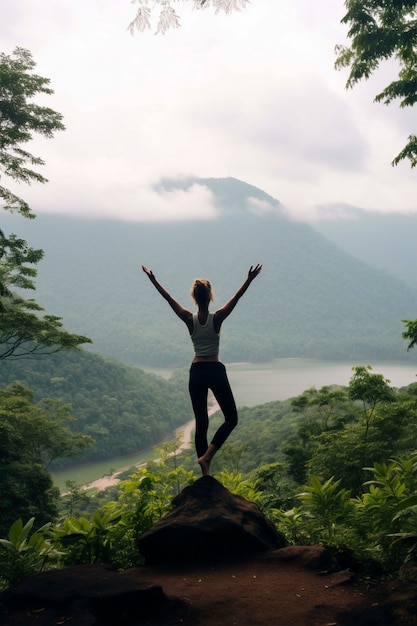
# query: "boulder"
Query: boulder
310,557
209,523
84,595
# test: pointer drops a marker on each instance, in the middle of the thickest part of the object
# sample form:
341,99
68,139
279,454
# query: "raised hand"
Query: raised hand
254,271
148,272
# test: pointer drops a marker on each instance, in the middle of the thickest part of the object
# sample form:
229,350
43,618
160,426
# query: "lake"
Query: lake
285,378
257,383
252,384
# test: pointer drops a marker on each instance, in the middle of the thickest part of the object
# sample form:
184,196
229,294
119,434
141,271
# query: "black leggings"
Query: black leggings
206,375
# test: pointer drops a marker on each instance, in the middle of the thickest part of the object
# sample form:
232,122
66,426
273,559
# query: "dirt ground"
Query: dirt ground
267,592
264,591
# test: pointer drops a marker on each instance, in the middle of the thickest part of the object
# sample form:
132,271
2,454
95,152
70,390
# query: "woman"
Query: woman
207,371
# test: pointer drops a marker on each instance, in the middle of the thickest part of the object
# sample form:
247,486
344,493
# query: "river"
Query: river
252,384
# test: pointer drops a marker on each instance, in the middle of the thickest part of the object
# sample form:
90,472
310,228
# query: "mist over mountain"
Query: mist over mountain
383,240
312,299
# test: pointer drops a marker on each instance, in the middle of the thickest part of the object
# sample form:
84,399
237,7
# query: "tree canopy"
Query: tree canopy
31,437
380,30
22,330
122,407
20,119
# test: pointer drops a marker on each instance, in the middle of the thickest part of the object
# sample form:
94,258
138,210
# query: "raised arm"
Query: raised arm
179,310
226,309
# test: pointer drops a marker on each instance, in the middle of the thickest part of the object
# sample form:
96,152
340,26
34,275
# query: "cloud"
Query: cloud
96,192
252,95
195,203
262,207
304,122
338,212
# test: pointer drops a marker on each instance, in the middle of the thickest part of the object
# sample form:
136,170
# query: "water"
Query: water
88,473
254,384
280,379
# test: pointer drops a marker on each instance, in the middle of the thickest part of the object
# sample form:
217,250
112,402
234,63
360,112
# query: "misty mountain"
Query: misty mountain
312,299
384,240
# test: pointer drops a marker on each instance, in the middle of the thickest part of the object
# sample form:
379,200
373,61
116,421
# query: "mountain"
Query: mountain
383,240
312,299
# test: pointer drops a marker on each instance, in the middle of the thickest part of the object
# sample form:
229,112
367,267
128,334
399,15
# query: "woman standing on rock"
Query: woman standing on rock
207,371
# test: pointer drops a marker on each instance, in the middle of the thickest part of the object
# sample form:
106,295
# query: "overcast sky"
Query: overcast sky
253,95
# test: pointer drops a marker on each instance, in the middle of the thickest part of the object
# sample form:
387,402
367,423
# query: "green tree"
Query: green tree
31,437
381,30
75,499
20,118
368,423
328,406
382,424
371,389
325,413
410,334
22,330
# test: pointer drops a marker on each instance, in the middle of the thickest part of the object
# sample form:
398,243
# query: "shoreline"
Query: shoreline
185,430
113,479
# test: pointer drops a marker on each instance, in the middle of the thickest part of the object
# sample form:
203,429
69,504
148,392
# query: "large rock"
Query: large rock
84,595
208,522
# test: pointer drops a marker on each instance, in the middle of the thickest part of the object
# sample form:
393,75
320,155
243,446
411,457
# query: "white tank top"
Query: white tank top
204,337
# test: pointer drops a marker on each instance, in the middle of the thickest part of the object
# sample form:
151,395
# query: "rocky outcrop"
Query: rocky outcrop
209,523
86,595
214,559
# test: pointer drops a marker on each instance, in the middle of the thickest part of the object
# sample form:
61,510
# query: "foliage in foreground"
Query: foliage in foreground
346,479
24,551
379,528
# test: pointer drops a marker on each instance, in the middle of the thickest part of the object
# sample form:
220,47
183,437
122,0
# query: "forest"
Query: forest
335,466
122,408
315,300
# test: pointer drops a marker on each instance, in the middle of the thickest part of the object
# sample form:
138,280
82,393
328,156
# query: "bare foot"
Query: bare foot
205,465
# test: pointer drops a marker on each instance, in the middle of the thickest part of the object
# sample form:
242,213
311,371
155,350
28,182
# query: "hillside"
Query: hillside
312,299
383,240
123,408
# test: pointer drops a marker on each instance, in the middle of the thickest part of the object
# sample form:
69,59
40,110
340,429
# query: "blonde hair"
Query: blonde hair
201,291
